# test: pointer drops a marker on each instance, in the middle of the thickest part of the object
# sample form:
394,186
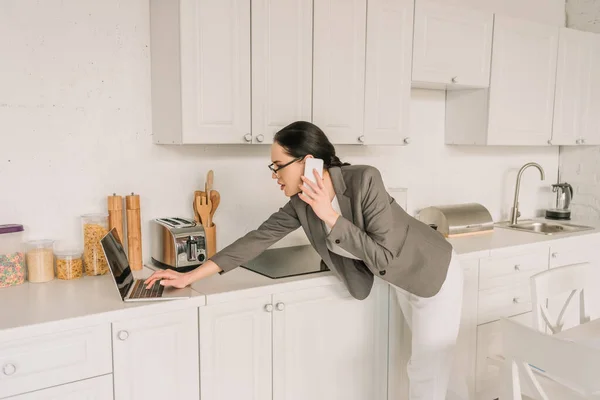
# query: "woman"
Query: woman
360,232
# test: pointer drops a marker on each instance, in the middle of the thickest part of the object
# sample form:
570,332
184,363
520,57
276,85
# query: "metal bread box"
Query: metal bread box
458,220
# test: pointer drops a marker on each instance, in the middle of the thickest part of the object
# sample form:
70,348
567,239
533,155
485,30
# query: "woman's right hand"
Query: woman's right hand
169,278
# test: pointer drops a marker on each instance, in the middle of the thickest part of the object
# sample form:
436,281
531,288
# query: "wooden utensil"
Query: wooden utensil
203,207
210,176
197,193
215,199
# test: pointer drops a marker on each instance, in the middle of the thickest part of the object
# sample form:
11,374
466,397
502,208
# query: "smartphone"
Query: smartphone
309,165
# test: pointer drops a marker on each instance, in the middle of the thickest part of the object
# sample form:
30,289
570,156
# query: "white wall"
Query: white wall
580,166
75,127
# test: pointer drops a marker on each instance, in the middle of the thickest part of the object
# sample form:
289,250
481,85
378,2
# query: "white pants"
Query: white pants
434,323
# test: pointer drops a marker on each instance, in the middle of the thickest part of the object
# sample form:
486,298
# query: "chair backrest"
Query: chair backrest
565,362
558,291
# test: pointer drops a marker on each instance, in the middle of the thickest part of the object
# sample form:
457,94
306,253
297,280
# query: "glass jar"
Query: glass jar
12,259
95,226
69,264
40,261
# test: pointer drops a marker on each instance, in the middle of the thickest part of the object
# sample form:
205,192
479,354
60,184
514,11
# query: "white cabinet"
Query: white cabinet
236,351
38,362
282,341
326,337
156,357
518,107
200,71
339,69
577,102
281,65
100,388
452,46
387,80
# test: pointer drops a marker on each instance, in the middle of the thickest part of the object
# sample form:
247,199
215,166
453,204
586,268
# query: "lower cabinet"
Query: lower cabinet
156,357
317,343
100,388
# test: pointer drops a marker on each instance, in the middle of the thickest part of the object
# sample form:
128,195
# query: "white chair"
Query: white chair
564,285
546,367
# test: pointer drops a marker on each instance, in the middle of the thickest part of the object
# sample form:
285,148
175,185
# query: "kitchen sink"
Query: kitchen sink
544,228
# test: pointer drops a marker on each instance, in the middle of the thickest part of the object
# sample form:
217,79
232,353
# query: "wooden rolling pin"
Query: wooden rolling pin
134,231
115,215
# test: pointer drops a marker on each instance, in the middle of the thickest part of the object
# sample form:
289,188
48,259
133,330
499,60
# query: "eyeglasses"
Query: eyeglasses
276,170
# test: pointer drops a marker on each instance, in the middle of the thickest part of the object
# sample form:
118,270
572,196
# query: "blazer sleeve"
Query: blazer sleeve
276,227
378,243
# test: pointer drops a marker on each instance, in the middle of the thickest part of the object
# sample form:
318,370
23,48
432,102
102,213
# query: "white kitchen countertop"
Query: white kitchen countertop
95,299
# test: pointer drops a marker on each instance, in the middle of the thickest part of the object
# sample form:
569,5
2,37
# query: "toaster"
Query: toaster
177,243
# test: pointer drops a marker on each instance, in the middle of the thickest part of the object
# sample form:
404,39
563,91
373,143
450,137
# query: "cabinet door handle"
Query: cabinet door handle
454,79
516,300
123,335
407,140
554,255
550,142
269,307
9,369
248,137
280,306
578,141
517,267
361,138
260,138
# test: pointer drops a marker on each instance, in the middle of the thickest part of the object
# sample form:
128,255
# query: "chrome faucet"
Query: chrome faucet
515,213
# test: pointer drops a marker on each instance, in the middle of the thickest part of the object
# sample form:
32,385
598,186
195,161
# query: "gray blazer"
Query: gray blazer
373,227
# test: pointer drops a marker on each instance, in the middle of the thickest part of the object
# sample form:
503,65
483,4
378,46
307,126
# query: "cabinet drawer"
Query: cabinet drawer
100,388
503,302
39,362
574,251
511,271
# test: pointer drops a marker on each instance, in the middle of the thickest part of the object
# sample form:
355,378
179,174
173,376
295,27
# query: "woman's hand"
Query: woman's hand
318,198
169,278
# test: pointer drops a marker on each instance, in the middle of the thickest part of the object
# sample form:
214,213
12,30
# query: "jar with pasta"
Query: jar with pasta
95,227
40,261
69,264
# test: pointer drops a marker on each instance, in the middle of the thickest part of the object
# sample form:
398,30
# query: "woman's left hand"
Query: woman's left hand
316,196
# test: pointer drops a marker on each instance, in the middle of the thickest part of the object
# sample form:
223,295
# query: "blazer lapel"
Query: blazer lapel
318,235
340,191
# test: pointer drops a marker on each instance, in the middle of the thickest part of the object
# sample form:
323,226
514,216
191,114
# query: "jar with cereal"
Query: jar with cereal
12,258
40,261
69,264
95,226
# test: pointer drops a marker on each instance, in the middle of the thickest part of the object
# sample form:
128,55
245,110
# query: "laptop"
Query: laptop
131,289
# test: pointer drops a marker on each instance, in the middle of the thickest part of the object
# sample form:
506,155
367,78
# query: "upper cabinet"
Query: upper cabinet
517,109
282,65
387,80
452,46
339,69
577,101
237,71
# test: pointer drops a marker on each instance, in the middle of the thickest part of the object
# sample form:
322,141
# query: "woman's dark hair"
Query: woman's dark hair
302,138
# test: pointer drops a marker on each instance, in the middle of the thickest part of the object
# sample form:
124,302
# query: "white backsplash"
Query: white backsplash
75,127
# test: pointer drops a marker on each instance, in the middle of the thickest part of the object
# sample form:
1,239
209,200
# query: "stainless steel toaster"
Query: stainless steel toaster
177,243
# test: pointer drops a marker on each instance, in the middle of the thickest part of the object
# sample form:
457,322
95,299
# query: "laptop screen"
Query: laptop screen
117,262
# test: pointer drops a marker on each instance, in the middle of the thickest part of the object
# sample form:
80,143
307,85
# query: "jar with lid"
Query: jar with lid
12,258
95,226
69,264
40,261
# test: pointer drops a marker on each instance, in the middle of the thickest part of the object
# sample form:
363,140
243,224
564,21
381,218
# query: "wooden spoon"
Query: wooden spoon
215,199
210,176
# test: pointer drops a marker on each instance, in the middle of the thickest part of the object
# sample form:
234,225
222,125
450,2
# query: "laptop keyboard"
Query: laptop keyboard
140,292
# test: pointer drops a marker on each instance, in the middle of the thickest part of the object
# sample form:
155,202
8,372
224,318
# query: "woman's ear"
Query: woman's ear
307,156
